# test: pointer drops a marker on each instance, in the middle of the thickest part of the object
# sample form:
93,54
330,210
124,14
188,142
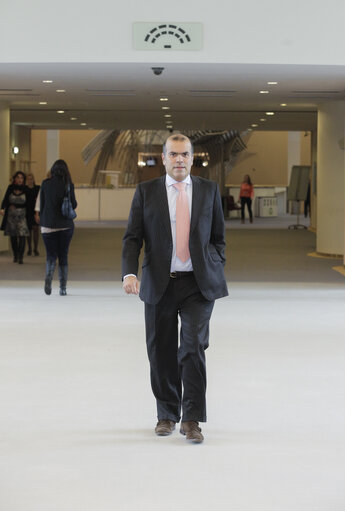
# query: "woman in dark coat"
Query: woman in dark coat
32,192
14,210
57,230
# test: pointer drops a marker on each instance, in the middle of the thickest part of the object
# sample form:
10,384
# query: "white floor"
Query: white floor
77,415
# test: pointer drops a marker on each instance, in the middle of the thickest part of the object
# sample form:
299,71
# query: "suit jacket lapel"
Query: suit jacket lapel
163,206
196,203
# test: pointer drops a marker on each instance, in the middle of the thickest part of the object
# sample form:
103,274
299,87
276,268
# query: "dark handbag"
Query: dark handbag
66,208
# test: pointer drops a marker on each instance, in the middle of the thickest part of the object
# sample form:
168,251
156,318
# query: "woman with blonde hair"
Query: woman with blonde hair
32,192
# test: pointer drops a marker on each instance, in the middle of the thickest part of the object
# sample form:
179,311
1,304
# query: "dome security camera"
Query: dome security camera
157,70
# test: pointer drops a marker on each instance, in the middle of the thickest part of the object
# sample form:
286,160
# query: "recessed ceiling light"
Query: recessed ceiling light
73,118
254,125
43,103
167,115
163,99
263,120
269,113
165,107
283,104
272,83
60,111
60,90
47,81
83,124
264,92
249,129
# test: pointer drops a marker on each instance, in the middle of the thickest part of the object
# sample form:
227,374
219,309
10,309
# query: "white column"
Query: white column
53,147
313,184
4,161
330,178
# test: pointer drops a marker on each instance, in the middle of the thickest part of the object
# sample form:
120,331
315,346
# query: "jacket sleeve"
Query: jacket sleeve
134,236
73,199
42,197
5,203
218,226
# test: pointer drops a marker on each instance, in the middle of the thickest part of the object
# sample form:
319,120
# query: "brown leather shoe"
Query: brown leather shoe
192,431
164,427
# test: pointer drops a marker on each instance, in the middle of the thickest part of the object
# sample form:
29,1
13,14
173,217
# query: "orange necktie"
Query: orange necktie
182,223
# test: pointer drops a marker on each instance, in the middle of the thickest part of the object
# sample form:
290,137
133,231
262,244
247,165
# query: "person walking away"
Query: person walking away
246,197
57,230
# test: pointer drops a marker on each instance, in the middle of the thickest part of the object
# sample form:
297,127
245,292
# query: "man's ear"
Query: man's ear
163,158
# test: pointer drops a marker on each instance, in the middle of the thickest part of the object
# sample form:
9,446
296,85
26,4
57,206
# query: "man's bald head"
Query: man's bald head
178,137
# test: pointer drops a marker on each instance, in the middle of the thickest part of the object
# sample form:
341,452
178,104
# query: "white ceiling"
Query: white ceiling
201,96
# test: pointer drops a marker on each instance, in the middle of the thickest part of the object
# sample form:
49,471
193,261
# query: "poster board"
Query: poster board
299,182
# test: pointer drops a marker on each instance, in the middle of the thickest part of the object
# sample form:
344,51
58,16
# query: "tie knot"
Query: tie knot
180,186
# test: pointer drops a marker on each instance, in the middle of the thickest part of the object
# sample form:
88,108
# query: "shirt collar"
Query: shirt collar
170,181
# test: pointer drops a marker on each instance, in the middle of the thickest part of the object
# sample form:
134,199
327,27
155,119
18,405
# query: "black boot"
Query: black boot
14,245
21,249
63,272
50,267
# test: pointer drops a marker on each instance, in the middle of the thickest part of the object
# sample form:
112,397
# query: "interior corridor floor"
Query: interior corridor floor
77,414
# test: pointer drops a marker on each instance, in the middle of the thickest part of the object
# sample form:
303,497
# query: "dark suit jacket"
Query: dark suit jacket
53,191
149,221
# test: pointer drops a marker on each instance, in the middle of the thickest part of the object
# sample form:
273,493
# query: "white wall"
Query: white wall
251,31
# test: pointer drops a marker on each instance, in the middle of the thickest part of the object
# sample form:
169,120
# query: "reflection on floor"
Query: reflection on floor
77,415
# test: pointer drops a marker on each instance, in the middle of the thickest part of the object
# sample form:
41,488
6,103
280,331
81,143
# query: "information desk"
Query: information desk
99,204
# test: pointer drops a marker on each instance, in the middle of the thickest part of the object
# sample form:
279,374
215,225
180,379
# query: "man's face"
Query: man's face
178,159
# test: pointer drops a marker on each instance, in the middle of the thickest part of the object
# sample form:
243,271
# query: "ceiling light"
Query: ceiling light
165,107
167,115
83,124
283,104
204,163
269,113
263,120
43,103
163,99
264,92
47,81
254,125
60,90
272,83
73,118
60,111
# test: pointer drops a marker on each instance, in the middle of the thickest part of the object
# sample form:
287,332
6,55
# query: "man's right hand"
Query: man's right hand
131,285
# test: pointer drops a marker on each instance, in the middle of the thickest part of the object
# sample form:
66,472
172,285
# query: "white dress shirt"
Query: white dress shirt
172,192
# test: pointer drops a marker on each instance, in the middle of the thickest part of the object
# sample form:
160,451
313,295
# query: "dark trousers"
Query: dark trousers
57,245
177,364
248,201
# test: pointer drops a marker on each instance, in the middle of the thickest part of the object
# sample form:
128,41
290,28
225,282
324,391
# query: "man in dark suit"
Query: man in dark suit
180,219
